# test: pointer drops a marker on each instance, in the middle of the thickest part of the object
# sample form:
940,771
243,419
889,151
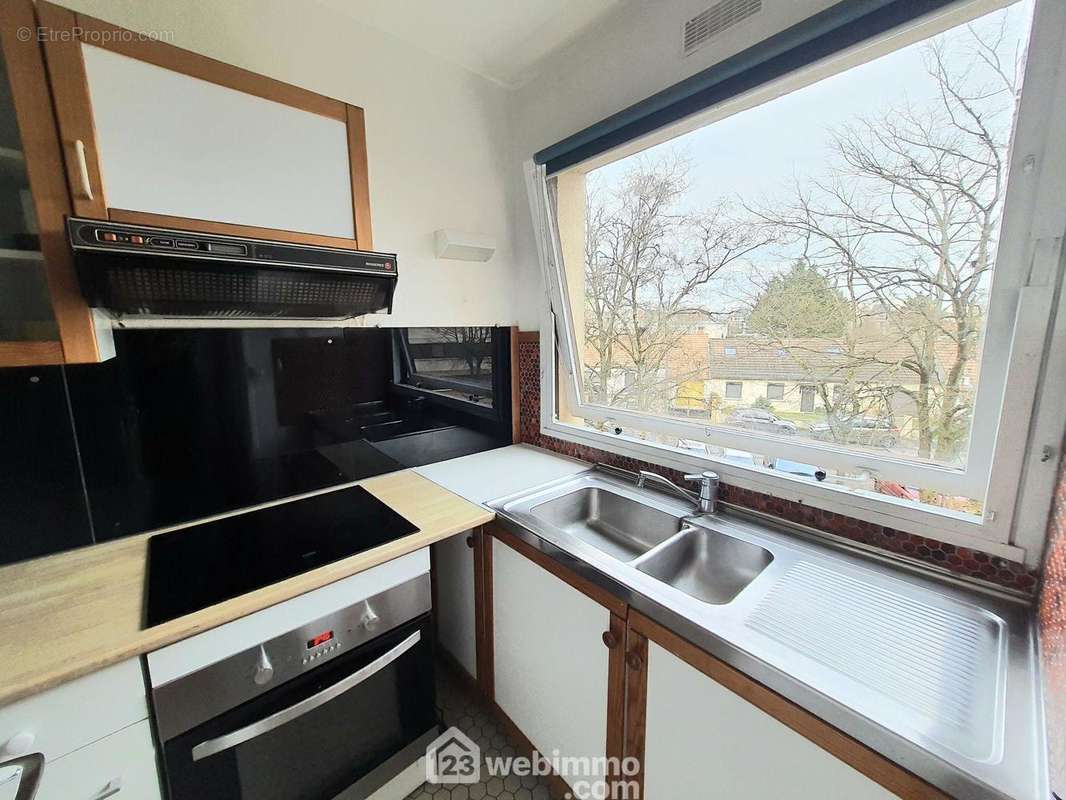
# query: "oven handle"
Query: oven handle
279,718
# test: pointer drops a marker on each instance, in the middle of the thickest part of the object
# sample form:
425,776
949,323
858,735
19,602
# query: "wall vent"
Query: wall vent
710,22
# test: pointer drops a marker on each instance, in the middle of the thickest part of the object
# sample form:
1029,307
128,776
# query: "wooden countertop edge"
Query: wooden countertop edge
149,639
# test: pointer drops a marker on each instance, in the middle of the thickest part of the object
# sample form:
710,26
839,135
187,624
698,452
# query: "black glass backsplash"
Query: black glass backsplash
42,503
183,424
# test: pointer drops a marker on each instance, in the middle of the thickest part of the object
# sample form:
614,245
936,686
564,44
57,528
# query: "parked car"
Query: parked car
759,419
870,431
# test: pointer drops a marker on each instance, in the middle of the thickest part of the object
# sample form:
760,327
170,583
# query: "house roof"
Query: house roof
809,359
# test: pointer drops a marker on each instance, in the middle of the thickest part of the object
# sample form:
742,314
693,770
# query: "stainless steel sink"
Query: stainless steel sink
616,525
879,652
709,566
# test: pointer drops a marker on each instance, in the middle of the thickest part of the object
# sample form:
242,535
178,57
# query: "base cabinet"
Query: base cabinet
552,667
582,675
120,765
704,741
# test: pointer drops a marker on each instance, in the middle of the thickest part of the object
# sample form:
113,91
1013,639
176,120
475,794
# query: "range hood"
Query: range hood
144,270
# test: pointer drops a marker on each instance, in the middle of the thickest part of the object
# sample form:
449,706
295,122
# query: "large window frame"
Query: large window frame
1013,455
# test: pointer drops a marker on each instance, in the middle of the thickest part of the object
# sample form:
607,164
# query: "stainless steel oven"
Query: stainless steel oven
333,709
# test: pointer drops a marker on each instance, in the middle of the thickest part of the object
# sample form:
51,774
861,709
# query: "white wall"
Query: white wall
436,135
631,55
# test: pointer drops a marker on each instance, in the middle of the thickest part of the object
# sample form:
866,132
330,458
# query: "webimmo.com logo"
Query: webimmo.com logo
453,757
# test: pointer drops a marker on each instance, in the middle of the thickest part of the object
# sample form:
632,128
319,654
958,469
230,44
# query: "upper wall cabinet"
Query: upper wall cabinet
158,135
43,318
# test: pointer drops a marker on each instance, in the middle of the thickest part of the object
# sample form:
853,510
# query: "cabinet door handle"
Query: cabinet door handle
470,541
114,786
83,168
610,639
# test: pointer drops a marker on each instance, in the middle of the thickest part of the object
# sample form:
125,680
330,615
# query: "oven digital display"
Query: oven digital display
322,638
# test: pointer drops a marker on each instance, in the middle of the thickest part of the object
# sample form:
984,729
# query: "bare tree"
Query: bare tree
905,225
646,266
471,344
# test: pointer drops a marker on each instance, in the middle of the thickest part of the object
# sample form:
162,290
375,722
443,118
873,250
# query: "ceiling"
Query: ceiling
505,41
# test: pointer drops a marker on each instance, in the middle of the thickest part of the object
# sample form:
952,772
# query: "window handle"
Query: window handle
83,169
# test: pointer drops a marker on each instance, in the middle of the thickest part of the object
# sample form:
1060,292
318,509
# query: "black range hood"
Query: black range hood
145,270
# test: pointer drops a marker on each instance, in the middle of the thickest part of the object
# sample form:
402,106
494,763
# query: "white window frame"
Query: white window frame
1025,372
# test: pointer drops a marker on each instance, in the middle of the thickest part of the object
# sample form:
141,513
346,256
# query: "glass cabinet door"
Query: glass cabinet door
25,304
43,317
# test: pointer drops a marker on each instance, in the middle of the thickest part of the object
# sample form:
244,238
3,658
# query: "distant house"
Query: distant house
743,369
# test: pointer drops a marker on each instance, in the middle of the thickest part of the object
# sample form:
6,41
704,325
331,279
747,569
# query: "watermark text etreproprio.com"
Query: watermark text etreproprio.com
44,33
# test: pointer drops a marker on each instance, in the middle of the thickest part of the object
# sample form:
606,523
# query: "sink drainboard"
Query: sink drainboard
943,663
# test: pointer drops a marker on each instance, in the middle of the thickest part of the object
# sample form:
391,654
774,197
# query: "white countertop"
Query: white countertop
495,473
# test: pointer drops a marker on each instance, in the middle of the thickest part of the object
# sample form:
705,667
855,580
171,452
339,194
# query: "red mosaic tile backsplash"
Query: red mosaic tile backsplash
962,560
1053,637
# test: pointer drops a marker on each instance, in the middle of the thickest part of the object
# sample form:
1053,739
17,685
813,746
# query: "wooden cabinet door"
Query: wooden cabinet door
43,317
154,134
556,676
701,729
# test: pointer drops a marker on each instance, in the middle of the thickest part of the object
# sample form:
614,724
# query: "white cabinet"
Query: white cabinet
121,766
74,714
156,135
454,576
94,734
551,664
704,741
176,145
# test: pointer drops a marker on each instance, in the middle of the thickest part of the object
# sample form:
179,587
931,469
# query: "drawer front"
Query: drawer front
121,766
70,716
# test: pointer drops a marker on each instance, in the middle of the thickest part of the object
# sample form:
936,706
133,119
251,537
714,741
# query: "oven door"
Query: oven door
333,732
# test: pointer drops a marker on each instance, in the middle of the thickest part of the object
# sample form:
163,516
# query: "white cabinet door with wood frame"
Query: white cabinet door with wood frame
701,729
557,655
155,134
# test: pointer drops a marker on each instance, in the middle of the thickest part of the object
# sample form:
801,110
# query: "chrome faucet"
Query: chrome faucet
705,500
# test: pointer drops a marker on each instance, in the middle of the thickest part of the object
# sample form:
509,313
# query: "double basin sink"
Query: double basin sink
878,652
702,563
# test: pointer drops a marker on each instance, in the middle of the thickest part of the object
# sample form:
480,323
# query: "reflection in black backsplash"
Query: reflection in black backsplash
42,504
184,424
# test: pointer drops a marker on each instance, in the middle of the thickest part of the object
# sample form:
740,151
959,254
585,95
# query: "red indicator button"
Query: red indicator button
322,638
108,237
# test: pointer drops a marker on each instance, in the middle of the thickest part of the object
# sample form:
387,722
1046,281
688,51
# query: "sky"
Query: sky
758,153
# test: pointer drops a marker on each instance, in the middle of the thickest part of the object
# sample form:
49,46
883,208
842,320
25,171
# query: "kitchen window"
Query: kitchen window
855,234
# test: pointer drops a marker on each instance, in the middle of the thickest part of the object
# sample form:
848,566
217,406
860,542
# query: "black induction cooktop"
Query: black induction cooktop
195,567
